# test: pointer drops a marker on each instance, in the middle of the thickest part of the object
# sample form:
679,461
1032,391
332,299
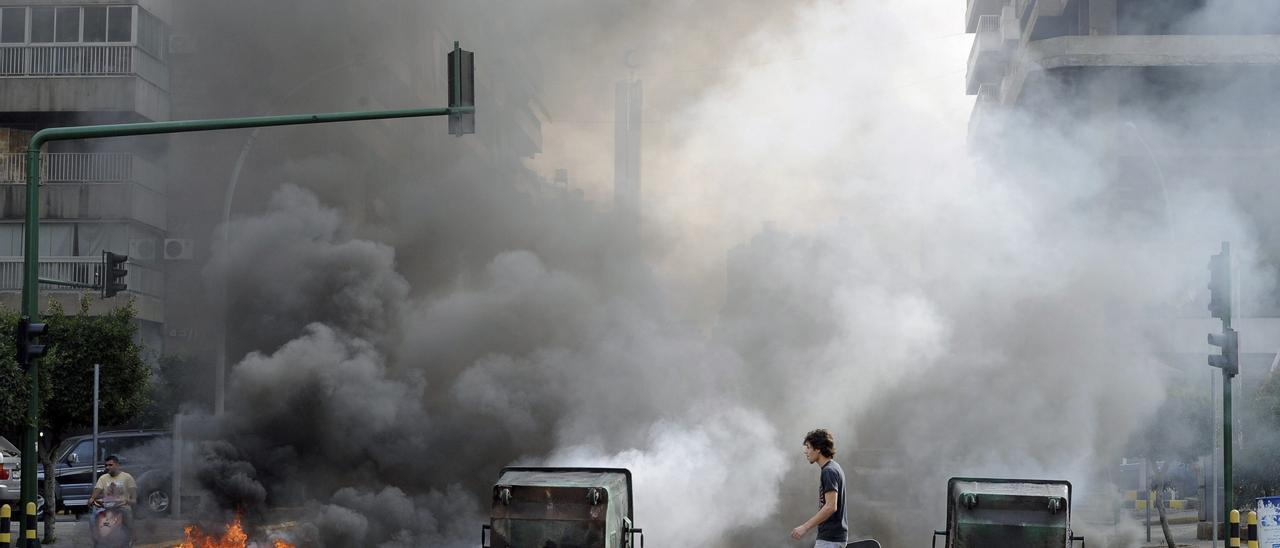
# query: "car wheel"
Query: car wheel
157,501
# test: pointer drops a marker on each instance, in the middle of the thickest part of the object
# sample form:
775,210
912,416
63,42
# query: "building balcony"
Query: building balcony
103,78
975,9
145,285
106,58
987,57
86,186
1133,51
1153,51
988,100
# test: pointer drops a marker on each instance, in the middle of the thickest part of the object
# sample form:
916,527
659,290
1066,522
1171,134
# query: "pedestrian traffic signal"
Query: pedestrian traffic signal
1229,359
113,273
462,90
1220,284
28,340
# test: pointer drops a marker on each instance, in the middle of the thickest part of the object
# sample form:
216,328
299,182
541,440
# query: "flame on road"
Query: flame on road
234,537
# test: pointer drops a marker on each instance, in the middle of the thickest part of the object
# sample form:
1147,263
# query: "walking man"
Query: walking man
833,526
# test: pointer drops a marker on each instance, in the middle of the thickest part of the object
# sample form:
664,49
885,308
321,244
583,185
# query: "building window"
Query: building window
13,25
95,24
41,25
10,240
56,239
94,238
119,24
67,25
89,24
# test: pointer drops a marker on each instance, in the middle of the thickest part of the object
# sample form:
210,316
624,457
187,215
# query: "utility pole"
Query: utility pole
461,112
1228,360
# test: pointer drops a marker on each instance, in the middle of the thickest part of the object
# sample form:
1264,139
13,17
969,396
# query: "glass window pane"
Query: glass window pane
13,25
57,239
41,25
68,25
95,24
120,24
10,239
94,238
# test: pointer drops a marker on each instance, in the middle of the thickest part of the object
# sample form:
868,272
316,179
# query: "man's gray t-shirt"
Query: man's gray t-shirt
836,527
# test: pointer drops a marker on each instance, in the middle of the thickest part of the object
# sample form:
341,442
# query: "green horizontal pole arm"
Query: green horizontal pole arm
184,126
67,283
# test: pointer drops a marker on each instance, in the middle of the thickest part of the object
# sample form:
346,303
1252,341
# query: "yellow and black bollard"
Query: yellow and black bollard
1252,535
30,520
1233,530
6,515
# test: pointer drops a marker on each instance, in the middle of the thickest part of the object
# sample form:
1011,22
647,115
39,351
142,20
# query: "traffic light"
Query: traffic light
1220,284
28,340
113,273
462,90
1229,359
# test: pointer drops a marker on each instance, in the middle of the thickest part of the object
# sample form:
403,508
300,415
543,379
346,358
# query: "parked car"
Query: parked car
10,462
144,454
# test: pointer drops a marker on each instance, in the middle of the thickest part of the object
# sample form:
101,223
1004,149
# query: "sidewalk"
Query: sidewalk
151,532
1182,524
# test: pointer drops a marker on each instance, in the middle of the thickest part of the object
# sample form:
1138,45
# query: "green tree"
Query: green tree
75,343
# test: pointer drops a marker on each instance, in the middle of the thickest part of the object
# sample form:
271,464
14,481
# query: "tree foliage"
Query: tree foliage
75,342
79,341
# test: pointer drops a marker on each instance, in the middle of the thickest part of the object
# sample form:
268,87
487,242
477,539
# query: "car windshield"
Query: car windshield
8,449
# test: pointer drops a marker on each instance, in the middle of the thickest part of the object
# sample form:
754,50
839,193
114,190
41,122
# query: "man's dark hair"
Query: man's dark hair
111,458
822,441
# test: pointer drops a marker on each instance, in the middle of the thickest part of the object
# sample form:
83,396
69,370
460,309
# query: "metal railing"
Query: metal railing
70,167
989,23
53,60
988,93
141,279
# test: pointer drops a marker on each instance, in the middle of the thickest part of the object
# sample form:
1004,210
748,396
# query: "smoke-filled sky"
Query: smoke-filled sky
821,248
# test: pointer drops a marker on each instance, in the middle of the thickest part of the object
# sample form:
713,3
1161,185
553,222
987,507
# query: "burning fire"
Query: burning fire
234,537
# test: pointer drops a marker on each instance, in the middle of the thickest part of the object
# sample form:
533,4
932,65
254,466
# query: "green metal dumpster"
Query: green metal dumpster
999,512
561,508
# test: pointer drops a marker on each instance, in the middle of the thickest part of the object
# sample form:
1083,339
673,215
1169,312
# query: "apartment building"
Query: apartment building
75,63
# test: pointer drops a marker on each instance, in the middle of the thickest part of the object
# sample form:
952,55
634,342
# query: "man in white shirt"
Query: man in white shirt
115,489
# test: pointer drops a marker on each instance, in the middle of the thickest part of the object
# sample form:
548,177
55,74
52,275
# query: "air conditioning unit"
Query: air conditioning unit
142,249
178,249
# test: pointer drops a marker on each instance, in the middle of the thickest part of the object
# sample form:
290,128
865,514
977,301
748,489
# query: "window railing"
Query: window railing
66,60
140,279
70,167
989,23
988,93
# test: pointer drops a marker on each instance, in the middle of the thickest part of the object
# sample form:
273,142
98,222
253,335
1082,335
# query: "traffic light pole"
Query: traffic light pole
1229,360
461,104
1228,497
